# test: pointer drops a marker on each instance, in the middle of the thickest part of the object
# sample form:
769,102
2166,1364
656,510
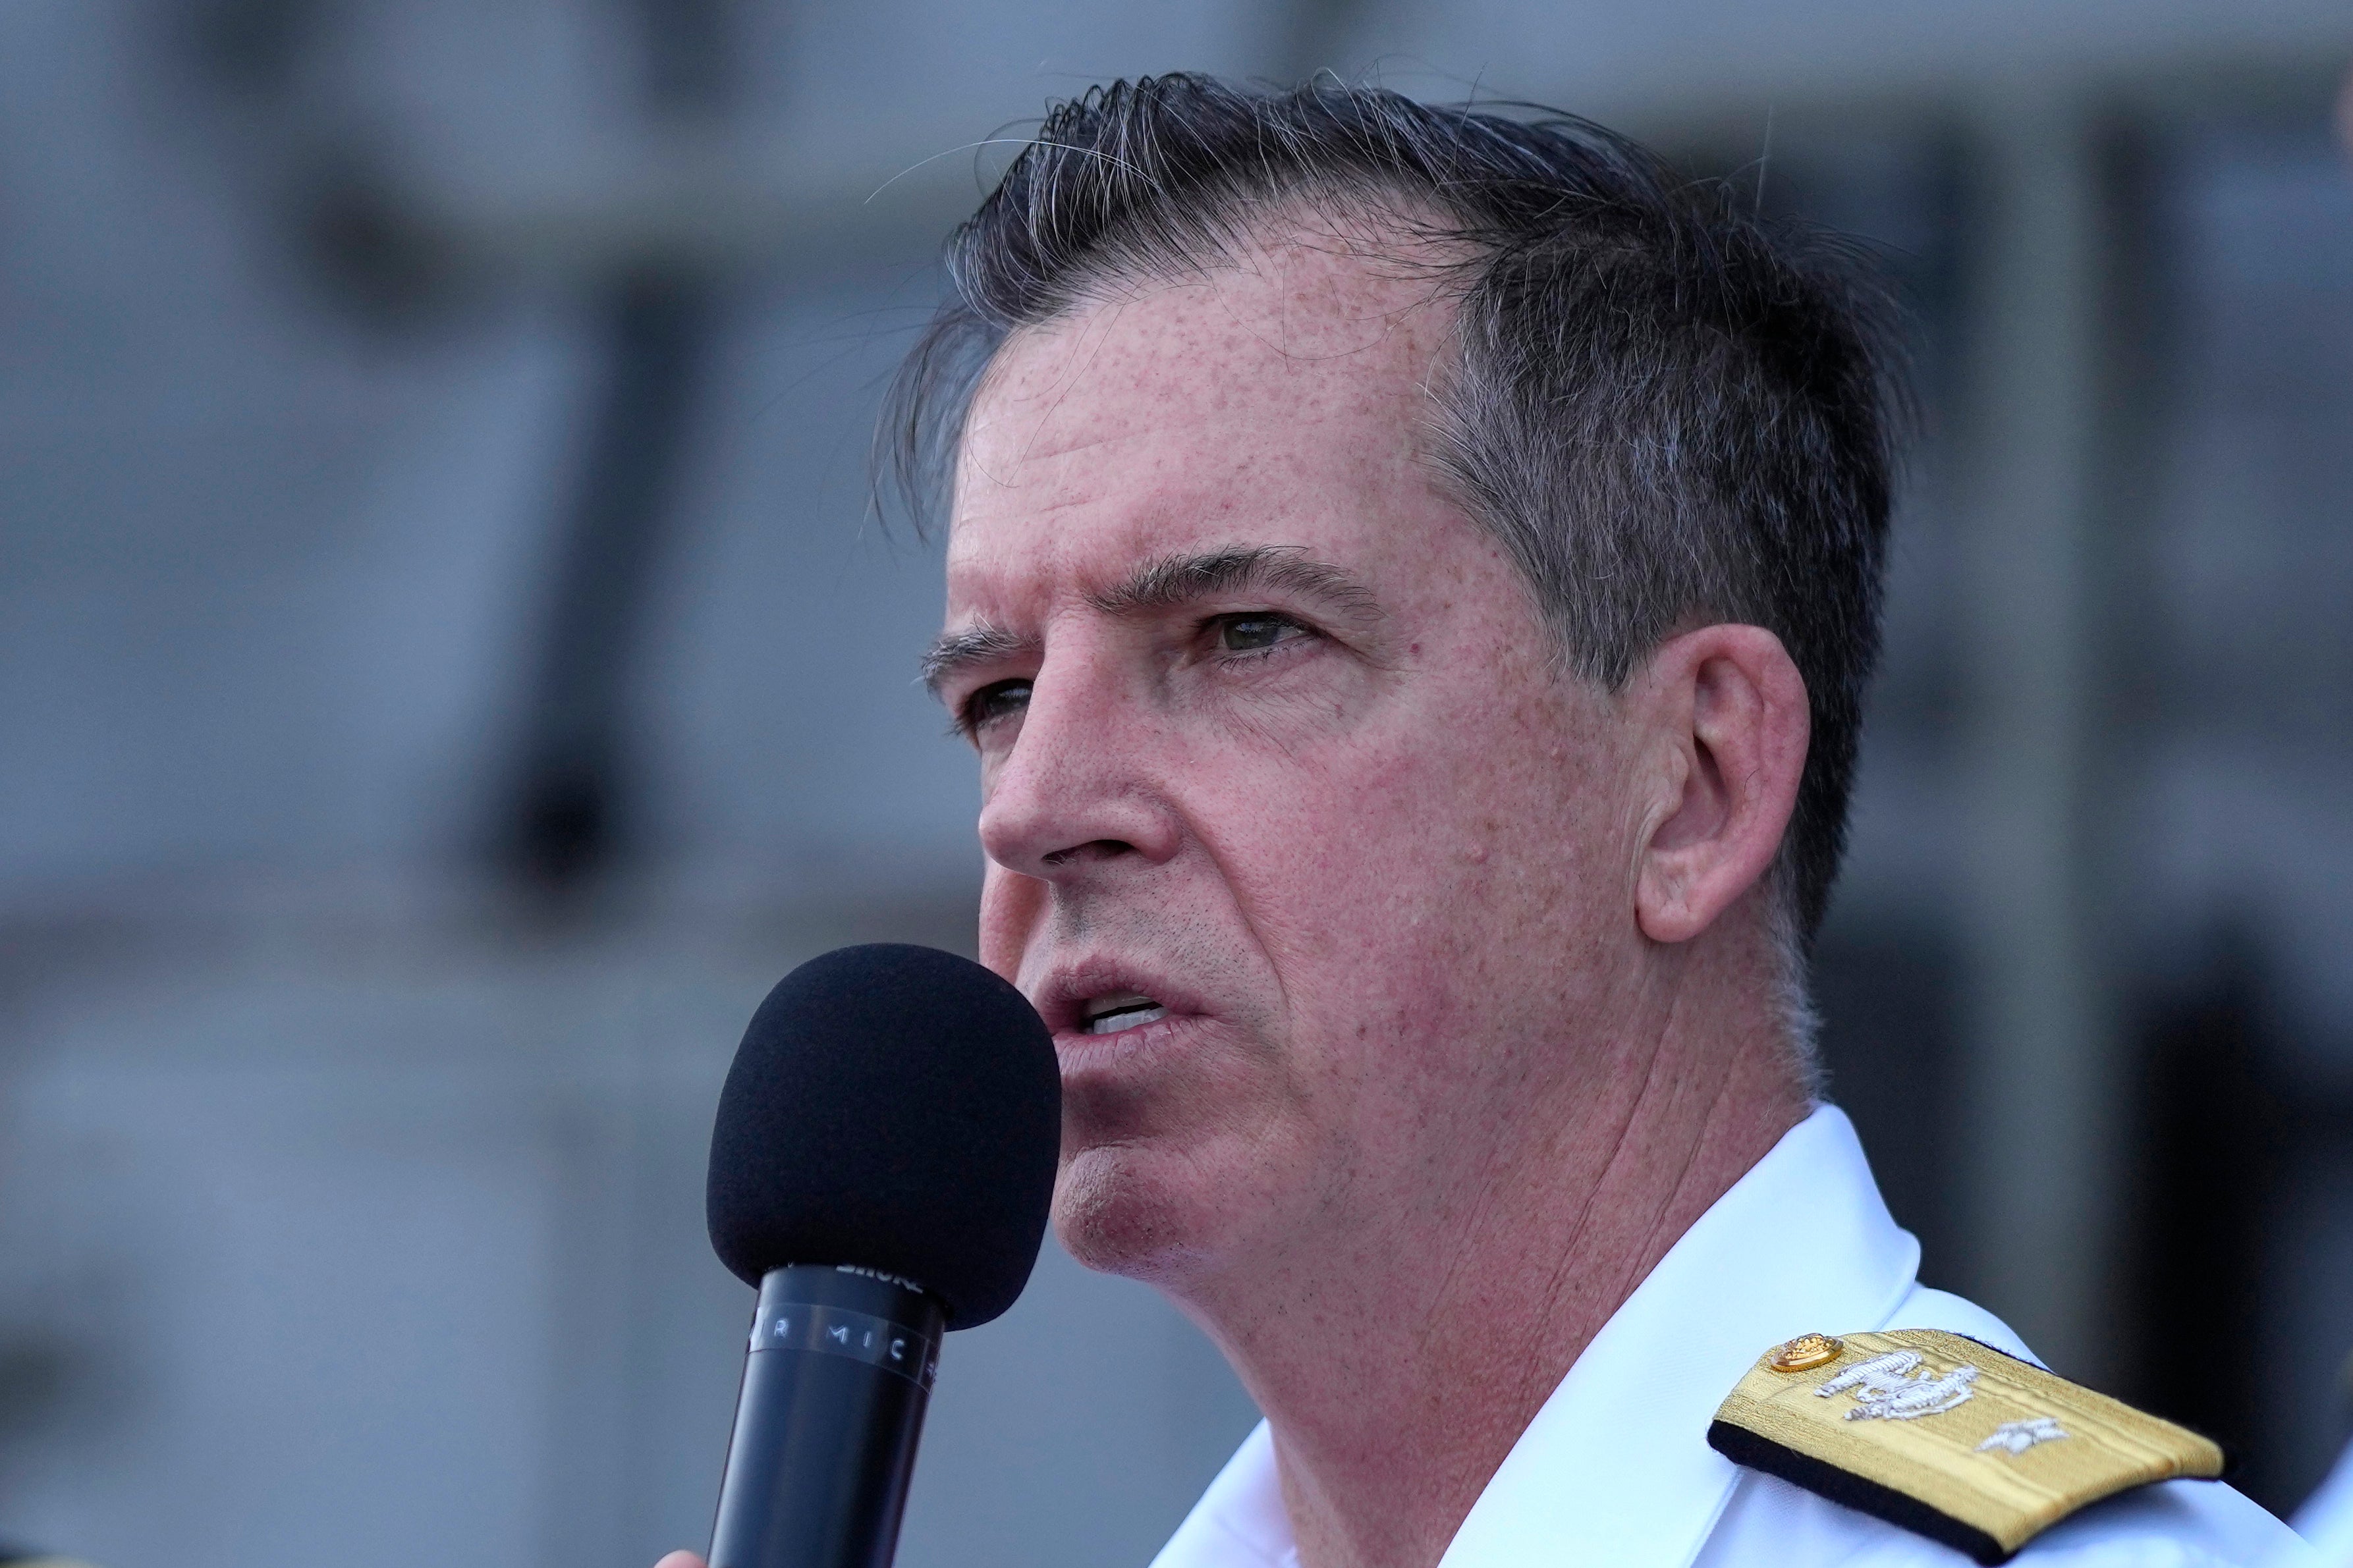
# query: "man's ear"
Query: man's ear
1726,724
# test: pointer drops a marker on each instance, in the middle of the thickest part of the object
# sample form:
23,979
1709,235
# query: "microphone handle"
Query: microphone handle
835,1383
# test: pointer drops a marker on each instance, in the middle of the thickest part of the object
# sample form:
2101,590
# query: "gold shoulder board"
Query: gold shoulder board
1951,1439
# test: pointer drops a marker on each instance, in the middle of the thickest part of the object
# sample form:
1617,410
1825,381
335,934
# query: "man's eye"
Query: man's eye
1255,633
991,703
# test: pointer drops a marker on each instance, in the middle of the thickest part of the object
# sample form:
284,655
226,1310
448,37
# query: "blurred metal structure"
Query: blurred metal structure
569,814
2040,1171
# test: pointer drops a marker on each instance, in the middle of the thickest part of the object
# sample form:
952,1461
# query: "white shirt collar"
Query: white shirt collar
1616,1465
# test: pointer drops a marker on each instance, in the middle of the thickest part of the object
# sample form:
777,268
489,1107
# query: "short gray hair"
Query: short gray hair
1669,411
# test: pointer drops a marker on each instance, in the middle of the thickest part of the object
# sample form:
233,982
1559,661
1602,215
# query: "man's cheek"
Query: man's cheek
1010,905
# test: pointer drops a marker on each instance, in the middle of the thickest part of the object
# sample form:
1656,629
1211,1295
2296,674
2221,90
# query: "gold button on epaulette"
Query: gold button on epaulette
1804,1353
1948,1437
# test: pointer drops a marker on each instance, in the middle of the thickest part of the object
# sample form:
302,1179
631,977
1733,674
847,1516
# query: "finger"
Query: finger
680,1560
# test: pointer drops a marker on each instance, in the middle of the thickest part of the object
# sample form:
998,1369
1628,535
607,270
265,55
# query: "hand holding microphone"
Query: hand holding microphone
881,1171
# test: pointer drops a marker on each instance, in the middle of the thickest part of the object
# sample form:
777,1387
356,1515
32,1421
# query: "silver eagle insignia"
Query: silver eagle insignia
1890,1388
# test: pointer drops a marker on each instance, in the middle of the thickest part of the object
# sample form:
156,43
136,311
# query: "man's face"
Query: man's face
1308,857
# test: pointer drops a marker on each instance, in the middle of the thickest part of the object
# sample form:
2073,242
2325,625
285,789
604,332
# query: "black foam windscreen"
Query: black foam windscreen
898,1109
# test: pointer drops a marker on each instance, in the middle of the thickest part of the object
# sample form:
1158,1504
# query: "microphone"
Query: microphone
881,1171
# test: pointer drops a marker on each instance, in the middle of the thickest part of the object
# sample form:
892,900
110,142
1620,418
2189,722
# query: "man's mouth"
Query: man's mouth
1108,1015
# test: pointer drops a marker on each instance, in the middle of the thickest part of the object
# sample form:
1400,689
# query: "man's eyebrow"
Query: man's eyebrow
1168,584
979,643
1178,580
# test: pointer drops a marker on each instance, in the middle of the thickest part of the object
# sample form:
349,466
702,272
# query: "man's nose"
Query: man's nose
1075,794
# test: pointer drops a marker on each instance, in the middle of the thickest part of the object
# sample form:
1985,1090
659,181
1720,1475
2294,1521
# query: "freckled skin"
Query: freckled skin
1470,982
1250,797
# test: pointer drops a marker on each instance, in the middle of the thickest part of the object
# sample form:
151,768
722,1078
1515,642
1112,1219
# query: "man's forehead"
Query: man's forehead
1300,318
1245,402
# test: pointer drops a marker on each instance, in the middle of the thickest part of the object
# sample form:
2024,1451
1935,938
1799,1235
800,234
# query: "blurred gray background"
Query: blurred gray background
448,670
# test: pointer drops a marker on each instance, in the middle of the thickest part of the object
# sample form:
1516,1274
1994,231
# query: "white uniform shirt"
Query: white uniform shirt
2326,1517
1615,1470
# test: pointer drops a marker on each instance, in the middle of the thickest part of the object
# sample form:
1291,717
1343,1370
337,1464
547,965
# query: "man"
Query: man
1411,579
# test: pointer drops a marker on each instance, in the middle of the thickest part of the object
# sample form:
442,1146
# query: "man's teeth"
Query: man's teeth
1109,1015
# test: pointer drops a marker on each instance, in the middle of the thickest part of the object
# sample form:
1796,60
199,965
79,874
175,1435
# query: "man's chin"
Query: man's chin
1145,1213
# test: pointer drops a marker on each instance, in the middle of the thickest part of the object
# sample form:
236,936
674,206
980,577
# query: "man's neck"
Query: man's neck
1398,1364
